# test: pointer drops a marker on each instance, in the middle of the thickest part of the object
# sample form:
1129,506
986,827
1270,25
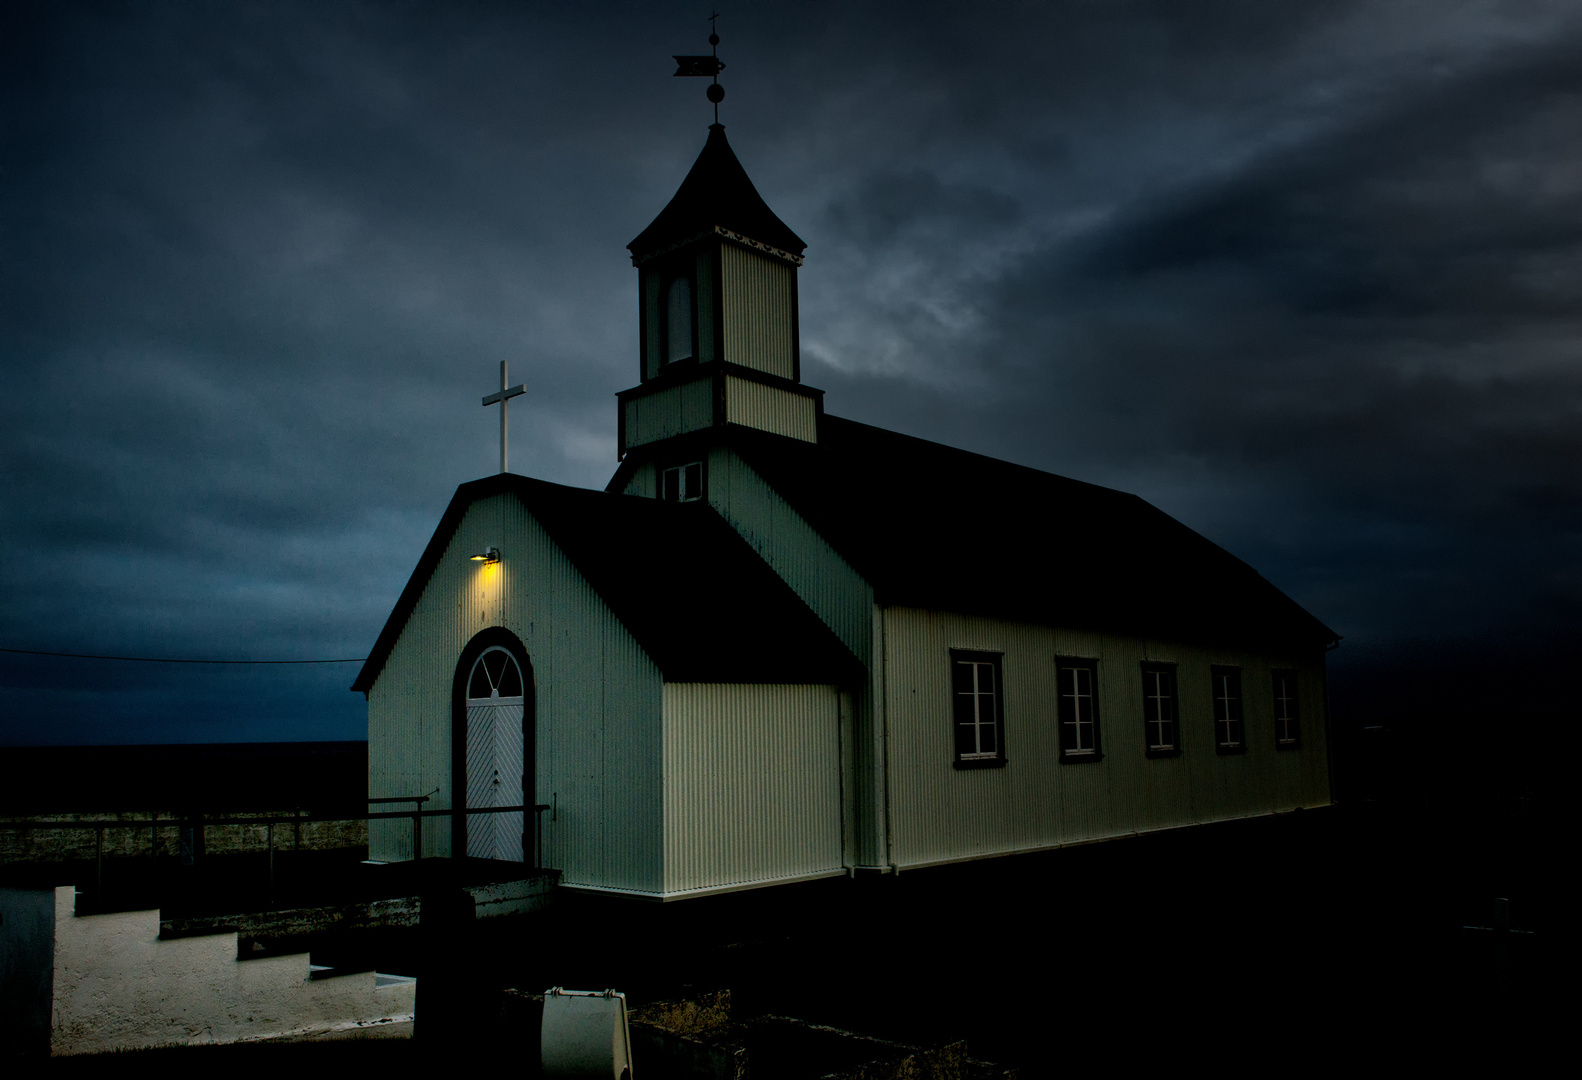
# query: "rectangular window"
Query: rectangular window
1161,730
1229,737
1079,709
681,483
979,717
1287,714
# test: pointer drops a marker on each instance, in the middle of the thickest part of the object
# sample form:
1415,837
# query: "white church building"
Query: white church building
782,646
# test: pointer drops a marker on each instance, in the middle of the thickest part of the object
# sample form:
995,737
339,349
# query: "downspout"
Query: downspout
845,730
1329,722
884,693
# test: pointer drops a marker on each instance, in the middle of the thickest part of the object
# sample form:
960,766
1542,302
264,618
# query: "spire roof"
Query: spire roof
717,192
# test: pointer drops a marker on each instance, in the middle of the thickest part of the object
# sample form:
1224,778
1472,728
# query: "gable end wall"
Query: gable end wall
598,703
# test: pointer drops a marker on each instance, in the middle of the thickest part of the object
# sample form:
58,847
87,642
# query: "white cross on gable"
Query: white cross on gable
504,397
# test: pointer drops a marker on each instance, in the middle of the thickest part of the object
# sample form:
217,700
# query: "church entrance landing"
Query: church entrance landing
383,900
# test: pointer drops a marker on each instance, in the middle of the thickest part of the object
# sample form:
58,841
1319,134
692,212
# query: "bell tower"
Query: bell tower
717,310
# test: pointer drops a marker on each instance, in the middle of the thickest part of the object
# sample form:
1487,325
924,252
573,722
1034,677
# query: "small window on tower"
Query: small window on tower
678,318
681,483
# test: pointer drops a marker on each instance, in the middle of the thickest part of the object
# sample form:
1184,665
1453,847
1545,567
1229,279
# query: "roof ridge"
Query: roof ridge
995,461
934,525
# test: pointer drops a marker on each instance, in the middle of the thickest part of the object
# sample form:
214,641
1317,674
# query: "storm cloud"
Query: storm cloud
1304,277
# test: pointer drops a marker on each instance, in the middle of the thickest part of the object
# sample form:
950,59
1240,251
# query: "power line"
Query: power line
175,660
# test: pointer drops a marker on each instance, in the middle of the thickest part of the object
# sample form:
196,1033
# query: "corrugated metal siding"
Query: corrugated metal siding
839,596
759,296
598,703
940,813
642,482
784,539
676,411
768,408
752,784
708,348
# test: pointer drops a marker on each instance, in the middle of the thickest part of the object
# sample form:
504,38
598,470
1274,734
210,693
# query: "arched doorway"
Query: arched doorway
492,749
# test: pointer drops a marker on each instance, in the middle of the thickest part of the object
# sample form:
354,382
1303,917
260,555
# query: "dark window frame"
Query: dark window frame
1069,709
1287,709
667,278
966,709
1161,694
1230,722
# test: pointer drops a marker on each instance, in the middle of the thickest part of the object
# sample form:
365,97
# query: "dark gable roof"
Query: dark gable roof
934,527
716,192
697,598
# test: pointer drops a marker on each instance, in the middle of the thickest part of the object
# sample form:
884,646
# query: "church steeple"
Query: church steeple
717,193
717,293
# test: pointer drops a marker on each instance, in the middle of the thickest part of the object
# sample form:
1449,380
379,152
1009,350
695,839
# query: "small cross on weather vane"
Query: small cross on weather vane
708,66
504,398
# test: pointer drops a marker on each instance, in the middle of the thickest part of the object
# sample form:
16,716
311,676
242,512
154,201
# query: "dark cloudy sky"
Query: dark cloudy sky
1306,276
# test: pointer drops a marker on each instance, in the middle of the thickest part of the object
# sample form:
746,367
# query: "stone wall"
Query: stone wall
38,838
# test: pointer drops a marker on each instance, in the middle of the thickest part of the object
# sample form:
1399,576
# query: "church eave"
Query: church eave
715,372
465,496
689,369
723,233
668,614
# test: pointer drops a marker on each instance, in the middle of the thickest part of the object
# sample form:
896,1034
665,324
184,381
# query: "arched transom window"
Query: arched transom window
496,677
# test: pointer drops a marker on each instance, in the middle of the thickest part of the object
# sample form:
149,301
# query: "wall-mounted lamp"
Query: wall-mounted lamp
487,555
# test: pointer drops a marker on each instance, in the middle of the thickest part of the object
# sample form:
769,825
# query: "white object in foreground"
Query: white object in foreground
585,1034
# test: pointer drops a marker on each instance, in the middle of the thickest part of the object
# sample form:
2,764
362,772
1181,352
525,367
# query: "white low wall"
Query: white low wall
117,986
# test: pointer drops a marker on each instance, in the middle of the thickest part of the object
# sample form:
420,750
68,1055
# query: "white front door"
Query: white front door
496,705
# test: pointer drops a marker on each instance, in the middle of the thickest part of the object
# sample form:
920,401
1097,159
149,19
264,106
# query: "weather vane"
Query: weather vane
709,66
